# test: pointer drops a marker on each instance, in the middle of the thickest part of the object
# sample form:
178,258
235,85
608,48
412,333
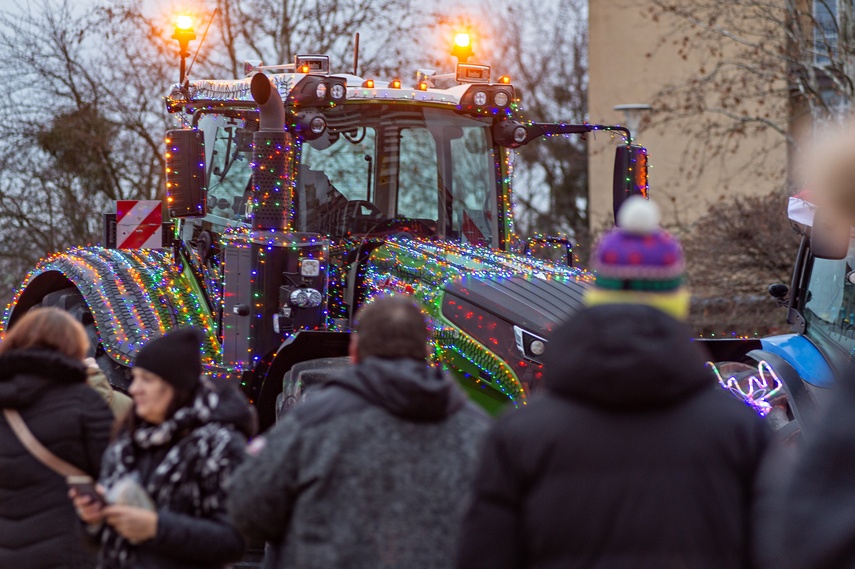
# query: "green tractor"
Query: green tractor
297,194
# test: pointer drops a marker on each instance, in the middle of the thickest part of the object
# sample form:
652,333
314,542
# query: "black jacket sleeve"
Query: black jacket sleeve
208,540
265,486
492,528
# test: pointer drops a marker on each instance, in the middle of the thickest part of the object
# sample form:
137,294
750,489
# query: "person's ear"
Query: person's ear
352,350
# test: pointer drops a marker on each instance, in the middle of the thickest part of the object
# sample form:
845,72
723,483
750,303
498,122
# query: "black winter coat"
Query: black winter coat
634,458
818,519
39,528
185,475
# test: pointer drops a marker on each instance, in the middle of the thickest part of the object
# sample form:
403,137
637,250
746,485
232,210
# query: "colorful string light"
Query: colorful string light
756,390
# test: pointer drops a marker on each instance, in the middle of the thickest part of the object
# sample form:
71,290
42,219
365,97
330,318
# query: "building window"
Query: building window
825,39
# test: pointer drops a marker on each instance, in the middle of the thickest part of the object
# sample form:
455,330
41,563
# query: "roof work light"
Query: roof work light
462,48
184,34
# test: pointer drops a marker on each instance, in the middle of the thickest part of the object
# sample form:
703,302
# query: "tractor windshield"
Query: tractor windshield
830,306
376,169
386,167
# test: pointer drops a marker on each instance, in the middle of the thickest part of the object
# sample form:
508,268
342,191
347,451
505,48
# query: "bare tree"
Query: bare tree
733,254
276,31
84,126
778,68
544,48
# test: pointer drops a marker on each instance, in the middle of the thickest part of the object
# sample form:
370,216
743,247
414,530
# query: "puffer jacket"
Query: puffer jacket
183,464
374,471
634,458
39,528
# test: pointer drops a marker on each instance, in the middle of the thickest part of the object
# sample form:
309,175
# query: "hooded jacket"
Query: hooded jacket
183,464
38,525
373,471
634,457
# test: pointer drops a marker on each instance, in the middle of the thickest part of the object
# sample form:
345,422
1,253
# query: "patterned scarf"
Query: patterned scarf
191,472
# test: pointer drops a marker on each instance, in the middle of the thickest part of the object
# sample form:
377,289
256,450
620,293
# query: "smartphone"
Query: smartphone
85,486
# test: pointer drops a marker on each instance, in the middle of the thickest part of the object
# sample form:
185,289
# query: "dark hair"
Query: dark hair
391,327
48,329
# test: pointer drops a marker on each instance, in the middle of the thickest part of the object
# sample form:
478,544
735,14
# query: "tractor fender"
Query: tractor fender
134,296
803,355
302,346
802,403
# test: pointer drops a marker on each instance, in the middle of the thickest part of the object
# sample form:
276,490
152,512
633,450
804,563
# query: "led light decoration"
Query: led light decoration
756,390
134,296
422,268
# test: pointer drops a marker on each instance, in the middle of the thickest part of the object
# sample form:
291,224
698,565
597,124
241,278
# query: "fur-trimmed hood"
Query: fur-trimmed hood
25,373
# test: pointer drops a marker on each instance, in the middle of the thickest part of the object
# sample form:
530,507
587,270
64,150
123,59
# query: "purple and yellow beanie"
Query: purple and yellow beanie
638,262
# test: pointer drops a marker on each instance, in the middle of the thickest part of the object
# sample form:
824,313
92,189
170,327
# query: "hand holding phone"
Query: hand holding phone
84,486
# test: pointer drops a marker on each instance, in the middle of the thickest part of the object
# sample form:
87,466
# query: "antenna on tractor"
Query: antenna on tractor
355,53
204,35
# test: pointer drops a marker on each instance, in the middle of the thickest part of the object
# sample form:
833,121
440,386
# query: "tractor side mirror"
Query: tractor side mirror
630,176
559,250
829,235
186,192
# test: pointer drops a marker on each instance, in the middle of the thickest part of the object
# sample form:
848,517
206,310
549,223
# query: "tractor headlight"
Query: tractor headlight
337,91
501,99
480,98
310,267
321,90
305,298
529,345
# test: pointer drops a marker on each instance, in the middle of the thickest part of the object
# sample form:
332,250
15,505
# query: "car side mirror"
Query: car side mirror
630,174
558,250
186,192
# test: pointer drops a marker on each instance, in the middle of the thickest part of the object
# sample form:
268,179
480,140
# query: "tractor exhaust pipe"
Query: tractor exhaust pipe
271,186
270,107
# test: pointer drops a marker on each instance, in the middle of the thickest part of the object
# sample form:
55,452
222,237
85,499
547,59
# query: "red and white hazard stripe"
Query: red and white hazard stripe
139,224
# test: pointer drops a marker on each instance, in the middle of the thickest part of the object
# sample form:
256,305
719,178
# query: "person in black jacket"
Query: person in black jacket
164,475
634,457
43,377
374,470
817,521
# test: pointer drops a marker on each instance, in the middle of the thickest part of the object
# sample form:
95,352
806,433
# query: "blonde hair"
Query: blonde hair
48,329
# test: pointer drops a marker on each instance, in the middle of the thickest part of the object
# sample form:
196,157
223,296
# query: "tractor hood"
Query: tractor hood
534,303
493,309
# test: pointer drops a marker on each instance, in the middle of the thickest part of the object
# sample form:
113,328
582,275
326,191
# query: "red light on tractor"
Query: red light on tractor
368,83
395,84
505,79
423,86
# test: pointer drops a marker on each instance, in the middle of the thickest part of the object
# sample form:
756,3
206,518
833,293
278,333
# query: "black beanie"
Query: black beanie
176,357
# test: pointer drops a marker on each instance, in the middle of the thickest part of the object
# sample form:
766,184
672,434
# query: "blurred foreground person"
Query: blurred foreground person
817,517
634,457
163,477
43,379
374,470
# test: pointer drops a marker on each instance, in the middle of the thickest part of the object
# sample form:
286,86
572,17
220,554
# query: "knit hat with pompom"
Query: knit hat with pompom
638,262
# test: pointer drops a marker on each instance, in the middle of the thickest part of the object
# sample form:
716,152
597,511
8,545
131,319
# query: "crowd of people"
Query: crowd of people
630,457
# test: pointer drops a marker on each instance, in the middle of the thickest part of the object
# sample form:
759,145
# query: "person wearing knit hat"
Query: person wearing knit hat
164,475
630,456
638,262
175,357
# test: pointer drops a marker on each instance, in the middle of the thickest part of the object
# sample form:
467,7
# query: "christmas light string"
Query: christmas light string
756,390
